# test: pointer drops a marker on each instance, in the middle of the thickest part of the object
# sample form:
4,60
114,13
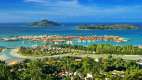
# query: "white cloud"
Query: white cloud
36,1
72,8
46,1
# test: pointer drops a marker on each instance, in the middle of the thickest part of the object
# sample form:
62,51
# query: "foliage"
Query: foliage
75,68
44,23
110,49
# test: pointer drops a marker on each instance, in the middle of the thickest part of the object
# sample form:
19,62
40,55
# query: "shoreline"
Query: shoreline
2,58
15,54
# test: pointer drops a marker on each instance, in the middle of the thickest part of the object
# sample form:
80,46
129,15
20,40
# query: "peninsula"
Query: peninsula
44,23
108,27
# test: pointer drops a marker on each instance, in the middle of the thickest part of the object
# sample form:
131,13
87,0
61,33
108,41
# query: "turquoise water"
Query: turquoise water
9,30
13,44
6,54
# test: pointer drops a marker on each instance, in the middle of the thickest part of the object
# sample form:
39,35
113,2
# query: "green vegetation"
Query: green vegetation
53,50
1,49
76,68
40,51
110,49
44,23
72,68
93,49
109,27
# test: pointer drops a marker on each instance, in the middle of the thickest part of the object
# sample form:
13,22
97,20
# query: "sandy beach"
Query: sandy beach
14,53
2,58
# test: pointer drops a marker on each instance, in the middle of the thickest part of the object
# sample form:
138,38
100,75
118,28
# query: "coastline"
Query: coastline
14,53
2,58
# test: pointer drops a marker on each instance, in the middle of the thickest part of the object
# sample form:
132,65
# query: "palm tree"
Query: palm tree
4,72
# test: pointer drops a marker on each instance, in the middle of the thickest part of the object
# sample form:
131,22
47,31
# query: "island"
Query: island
108,27
44,23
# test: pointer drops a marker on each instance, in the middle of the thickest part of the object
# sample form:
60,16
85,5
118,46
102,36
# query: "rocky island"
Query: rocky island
108,27
44,23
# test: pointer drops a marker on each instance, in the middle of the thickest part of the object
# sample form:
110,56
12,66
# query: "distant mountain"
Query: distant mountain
109,27
44,23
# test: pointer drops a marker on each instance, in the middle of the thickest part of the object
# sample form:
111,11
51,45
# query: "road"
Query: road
11,54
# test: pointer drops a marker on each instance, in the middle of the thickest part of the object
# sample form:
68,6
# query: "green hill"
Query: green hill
44,23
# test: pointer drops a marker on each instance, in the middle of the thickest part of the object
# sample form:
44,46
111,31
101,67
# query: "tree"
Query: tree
5,73
31,72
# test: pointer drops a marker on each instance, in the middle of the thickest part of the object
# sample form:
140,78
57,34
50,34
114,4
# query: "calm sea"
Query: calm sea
14,29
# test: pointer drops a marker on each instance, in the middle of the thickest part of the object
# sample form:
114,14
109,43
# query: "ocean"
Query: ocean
134,37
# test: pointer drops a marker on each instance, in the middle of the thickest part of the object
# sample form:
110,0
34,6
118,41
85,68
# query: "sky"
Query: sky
71,10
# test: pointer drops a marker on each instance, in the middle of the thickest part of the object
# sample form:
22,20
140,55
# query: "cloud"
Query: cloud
64,10
36,1
110,3
47,1
74,8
